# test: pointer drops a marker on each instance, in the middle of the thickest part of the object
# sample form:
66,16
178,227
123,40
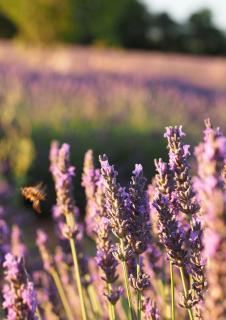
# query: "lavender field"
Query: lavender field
133,211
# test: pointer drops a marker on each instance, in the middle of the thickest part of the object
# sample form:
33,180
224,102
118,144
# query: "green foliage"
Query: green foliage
204,36
41,20
133,27
164,32
83,21
16,147
7,27
124,23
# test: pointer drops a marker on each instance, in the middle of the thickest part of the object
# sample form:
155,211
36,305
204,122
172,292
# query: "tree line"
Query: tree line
124,23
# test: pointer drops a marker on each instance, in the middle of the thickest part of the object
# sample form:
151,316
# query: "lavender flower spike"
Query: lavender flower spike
116,201
139,235
211,156
4,240
178,162
90,180
150,309
106,261
18,294
186,202
41,242
171,234
63,174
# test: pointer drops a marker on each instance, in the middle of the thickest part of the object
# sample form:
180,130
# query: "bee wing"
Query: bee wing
36,206
42,188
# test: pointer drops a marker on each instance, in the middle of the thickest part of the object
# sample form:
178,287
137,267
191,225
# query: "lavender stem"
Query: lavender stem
172,289
76,269
128,292
38,314
185,291
138,291
62,295
111,308
94,301
90,306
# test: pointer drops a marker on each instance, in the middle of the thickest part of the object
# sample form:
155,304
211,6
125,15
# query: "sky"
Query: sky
180,9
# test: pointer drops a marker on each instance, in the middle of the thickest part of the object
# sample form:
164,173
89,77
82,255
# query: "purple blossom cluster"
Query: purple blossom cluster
119,251
180,226
63,174
18,293
210,186
91,181
4,236
171,233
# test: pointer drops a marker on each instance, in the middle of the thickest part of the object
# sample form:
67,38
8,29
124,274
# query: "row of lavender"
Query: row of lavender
98,95
160,252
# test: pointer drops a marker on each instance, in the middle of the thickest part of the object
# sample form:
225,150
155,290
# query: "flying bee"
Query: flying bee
35,194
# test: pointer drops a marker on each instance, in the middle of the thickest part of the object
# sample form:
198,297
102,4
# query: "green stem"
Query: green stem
76,268
186,291
172,289
38,314
90,308
165,290
126,279
111,308
138,291
94,300
62,295
113,311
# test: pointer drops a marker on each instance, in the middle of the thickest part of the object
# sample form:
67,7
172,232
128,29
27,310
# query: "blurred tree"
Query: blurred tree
41,20
134,24
7,28
204,37
164,32
97,20
82,21
126,23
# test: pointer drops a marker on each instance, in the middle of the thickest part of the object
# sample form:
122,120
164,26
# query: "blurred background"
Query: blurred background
106,75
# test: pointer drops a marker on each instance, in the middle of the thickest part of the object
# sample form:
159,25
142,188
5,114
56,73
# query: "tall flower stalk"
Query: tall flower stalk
91,181
210,186
49,266
107,262
117,201
189,210
63,174
139,235
171,234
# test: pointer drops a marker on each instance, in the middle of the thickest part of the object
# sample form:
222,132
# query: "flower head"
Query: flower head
18,294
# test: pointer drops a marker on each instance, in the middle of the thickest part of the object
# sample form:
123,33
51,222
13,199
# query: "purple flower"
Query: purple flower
212,242
18,294
116,199
63,173
210,186
171,234
90,181
139,234
42,237
184,200
17,247
150,310
41,242
106,261
4,240
178,162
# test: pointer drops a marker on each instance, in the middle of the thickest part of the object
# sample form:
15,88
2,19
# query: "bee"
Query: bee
35,194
